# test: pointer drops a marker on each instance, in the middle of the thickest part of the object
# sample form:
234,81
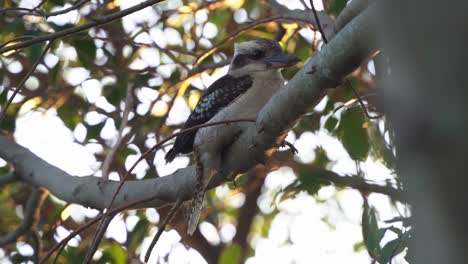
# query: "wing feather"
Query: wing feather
220,94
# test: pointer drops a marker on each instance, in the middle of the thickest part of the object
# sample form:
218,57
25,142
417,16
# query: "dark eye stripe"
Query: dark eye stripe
240,60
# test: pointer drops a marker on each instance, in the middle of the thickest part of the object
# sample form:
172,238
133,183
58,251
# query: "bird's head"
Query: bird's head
259,55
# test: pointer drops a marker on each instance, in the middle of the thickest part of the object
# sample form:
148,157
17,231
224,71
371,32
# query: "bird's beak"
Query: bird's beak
282,60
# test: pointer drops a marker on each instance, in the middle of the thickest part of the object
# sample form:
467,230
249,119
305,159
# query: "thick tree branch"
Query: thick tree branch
349,12
8,178
345,52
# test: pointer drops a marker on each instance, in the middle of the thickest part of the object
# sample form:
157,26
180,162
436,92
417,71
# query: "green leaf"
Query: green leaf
335,7
86,50
321,158
371,232
115,93
331,123
310,181
353,135
35,52
231,254
115,254
94,131
74,255
69,115
359,246
392,249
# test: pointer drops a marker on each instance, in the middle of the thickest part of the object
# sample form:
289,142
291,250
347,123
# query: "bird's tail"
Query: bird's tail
170,155
195,209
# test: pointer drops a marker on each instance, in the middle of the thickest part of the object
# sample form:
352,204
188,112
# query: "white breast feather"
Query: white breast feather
246,106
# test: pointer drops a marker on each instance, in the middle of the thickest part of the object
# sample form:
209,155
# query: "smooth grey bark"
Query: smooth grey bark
426,102
346,51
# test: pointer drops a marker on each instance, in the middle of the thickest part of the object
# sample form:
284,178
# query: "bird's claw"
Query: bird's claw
290,146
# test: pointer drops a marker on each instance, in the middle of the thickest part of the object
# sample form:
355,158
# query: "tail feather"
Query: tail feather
183,144
198,195
170,155
195,210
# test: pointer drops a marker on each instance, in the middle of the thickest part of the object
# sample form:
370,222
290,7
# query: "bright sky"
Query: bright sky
298,233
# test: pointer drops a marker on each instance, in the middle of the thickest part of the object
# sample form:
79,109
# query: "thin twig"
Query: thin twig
319,25
23,37
215,47
155,147
30,211
110,156
357,183
36,12
102,227
36,243
70,31
92,222
23,81
162,227
40,4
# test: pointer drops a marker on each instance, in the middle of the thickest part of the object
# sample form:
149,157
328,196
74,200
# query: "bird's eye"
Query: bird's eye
257,54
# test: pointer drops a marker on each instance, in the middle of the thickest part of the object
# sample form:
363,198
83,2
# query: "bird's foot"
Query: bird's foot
290,146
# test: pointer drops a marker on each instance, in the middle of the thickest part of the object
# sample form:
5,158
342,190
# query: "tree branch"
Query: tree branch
8,178
69,31
248,211
354,8
345,52
355,182
304,15
23,81
30,211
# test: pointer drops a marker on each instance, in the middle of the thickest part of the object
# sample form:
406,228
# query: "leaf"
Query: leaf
310,181
73,255
371,232
352,134
331,123
69,115
359,246
379,149
335,7
93,131
392,249
34,52
115,254
321,158
115,93
86,50
231,254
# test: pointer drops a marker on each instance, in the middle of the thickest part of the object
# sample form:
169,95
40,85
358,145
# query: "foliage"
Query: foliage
154,57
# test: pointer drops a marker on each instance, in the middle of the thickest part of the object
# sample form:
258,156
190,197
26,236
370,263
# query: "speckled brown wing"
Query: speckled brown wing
219,95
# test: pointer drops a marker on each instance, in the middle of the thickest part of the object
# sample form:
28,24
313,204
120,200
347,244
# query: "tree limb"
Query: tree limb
345,52
69,31
8,178
355,182
30,211
349,12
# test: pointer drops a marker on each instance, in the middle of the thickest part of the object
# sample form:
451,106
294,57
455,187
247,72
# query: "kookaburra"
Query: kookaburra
253,77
